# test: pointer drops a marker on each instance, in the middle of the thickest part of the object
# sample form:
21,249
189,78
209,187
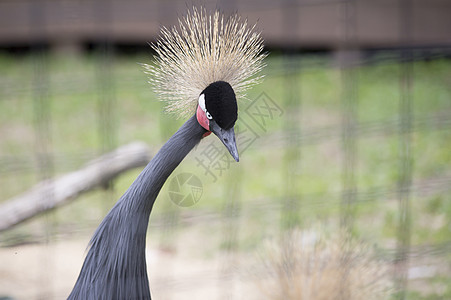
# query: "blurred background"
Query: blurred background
345,150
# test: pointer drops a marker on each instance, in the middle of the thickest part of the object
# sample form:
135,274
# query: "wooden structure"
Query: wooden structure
302,24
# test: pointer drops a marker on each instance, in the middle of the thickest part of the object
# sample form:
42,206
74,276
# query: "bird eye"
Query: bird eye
208,115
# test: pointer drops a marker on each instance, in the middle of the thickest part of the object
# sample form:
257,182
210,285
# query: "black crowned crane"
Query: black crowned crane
201,68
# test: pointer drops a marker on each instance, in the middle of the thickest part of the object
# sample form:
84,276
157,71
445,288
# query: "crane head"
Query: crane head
217,112
211,59
204,49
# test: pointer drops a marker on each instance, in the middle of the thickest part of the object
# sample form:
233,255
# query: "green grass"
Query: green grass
78,91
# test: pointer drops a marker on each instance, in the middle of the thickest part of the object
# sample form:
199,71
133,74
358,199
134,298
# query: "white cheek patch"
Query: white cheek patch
203,107
202,102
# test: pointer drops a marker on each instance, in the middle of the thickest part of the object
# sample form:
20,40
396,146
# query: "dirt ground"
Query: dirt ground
192,265
40,271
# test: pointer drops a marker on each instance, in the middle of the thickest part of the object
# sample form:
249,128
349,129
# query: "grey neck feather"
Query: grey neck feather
115,265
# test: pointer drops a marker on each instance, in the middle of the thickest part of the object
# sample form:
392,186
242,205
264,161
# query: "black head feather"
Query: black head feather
220,102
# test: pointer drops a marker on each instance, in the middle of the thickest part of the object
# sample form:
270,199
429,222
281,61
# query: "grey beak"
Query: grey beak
227,137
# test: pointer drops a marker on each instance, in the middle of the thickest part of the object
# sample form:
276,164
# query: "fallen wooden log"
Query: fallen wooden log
50,194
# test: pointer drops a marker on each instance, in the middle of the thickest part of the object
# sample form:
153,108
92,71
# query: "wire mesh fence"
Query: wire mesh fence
342,190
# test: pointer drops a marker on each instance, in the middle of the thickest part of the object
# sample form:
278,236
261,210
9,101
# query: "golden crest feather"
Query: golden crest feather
201,50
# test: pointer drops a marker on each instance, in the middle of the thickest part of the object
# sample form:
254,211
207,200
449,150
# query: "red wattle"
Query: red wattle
203,120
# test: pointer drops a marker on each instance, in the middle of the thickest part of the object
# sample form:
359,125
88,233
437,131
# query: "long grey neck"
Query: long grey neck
149,183
115,265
